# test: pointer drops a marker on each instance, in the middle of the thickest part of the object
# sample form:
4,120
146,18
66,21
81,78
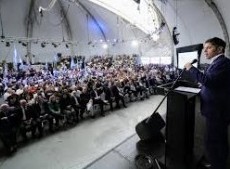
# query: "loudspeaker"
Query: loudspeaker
150,127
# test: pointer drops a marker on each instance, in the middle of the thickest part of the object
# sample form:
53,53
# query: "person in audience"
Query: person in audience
76,105
28,119
85,102
8,128
117,94
13,100
66,105
215,96
2,86
96,95
108,95
55,108
42,110
152,83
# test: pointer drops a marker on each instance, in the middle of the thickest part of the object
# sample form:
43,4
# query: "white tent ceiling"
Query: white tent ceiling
85,26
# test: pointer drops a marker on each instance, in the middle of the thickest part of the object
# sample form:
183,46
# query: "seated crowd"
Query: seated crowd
63,97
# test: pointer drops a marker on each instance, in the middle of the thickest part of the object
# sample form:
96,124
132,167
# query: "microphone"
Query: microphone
194,61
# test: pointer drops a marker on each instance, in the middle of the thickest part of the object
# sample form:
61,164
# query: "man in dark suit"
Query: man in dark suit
29,122
215,101
8,127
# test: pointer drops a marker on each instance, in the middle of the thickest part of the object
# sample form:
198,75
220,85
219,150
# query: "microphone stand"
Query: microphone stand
155,111
170,89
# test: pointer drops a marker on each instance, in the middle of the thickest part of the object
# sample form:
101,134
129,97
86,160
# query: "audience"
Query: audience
70,93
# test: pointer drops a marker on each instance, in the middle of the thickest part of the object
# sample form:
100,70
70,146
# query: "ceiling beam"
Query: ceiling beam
94,19
29,20
220,18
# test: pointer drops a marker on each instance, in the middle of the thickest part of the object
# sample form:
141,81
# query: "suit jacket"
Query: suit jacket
215,91
115,91
7,124
29,113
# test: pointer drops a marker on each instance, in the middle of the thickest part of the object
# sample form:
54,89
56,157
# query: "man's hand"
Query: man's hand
187,66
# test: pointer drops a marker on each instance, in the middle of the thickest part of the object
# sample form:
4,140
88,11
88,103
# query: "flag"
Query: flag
72,64
5,69
15,58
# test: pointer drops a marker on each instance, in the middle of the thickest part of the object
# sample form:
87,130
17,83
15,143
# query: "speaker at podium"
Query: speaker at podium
179,126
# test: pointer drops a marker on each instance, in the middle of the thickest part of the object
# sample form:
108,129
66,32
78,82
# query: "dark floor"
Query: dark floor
120,157
125,155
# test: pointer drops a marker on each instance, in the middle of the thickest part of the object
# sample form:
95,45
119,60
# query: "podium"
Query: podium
180,125
180,137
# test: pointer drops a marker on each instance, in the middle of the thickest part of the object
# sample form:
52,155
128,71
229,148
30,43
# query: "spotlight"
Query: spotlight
24,44
59,55
43,44
54,44
162,24
134,43
175,35
155,37
40,11
7,44
105,46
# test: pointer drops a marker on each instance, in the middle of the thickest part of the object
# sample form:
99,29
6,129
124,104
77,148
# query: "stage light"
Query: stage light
105,46
24,44
155,37
175,35
134,43
43,44
41,12
7,44
54,44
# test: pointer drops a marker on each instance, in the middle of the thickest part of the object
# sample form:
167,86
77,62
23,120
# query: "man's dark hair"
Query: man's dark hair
217,42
